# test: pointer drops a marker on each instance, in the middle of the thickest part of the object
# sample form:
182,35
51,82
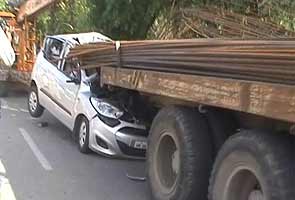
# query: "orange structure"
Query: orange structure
23,28
23,41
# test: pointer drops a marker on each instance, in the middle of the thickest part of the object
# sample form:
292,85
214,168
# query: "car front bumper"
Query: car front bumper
126,140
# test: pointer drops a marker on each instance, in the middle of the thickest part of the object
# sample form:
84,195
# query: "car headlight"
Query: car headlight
106,109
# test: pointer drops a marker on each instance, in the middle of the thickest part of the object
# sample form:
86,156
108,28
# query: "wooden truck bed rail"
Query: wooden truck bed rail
265,99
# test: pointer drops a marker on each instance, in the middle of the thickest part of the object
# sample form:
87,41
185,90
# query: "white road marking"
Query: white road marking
10,108
4,102
41,158
5,106
24,110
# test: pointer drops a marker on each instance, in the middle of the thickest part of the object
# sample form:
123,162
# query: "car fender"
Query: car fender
83,107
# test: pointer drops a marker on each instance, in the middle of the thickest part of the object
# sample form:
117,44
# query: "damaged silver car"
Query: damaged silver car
103,119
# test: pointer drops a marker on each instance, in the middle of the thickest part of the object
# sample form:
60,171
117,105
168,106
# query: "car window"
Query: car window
53,50
71,69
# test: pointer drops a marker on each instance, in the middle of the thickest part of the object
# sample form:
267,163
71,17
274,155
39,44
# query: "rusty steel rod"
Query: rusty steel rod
267,60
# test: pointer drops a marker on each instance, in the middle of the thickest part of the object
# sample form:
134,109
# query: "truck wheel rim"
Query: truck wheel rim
33,101
167,162
243,185
82,134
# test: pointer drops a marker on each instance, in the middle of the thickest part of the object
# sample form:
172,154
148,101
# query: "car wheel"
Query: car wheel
35,109
83,136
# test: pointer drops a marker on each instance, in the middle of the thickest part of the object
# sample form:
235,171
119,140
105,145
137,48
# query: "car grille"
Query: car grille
134,131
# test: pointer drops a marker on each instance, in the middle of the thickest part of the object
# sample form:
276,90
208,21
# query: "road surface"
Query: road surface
45,163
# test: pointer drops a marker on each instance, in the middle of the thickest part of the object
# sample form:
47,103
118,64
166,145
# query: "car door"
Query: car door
48,70
68,84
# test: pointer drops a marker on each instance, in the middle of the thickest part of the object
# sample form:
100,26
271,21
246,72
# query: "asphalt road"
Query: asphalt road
45,163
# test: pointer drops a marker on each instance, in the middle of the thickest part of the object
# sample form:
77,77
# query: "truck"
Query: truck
212,137
22,30
7,54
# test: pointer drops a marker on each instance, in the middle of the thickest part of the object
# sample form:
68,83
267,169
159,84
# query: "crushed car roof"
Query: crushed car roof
83,38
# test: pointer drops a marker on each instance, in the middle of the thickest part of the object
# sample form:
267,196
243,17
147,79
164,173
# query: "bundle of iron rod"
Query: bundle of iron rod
214,22
270,60
221,22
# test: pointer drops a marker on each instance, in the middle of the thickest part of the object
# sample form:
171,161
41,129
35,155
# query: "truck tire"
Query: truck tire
222,125
34,107
254,165
3,89
179,156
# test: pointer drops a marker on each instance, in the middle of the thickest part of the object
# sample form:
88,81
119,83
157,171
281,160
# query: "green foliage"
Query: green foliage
69,16
3,5
133,19
281,12
126,19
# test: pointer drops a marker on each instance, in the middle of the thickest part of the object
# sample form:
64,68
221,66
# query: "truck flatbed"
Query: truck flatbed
275,101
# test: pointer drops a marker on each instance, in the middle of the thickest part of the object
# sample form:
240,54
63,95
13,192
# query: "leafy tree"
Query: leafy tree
126,19
68,16
133,19
3,5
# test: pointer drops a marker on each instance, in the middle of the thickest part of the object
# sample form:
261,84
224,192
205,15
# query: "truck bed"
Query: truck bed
275,101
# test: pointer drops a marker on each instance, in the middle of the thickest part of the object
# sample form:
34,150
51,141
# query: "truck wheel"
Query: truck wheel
83,136
179,155
3,89
254,166
35,109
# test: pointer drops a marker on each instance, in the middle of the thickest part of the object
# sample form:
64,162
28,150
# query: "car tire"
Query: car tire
179,136
254,165
83,135
34,107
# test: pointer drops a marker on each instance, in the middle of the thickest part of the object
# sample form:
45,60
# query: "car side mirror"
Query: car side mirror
74,80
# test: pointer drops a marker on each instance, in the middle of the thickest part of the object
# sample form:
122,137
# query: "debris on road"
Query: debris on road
135,178
43,124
